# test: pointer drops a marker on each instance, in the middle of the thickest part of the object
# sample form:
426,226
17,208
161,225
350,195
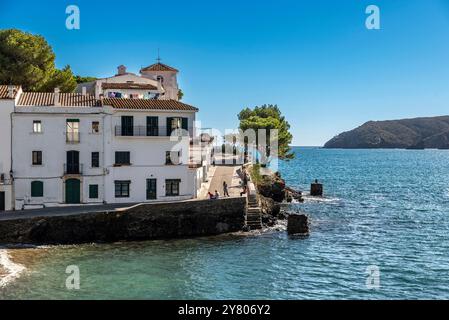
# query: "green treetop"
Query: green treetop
268,117
28,60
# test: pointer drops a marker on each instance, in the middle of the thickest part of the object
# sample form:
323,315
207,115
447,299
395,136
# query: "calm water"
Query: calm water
388,208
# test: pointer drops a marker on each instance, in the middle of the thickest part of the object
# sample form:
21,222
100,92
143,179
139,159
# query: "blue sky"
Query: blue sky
315,59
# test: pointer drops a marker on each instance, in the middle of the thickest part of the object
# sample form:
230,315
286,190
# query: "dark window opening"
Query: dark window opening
127,126
122,158
95,159
172,187
122,189
37,158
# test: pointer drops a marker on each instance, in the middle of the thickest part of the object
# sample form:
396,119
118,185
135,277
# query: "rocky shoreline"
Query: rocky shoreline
273,192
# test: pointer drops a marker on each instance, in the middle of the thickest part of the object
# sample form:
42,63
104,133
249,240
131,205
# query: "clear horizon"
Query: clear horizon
315,60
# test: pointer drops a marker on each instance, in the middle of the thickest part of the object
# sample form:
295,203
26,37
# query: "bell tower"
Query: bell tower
167,77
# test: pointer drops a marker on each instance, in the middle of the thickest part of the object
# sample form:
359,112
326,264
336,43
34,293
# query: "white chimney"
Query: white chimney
11,91
84,91
57,103
121,70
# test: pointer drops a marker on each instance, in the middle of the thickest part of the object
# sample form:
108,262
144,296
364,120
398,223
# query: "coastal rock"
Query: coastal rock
298,224
269,206
272,187
268,220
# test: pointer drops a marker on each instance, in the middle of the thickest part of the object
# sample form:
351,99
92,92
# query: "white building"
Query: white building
91,148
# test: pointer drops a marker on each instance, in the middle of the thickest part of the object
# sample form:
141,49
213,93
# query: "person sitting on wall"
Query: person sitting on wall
211,196
217,195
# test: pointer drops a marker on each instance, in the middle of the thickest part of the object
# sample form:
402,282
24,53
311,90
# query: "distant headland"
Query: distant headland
417,133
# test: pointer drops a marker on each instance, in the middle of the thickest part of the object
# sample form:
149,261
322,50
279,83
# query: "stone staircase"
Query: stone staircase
253,211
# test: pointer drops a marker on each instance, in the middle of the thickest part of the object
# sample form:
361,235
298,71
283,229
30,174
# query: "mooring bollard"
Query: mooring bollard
316,189
298,224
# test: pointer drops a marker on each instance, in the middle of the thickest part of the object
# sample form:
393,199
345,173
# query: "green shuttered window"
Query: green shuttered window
93,191
37,189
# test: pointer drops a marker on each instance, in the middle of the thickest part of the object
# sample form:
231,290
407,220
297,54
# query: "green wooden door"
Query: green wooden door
151,189
73,191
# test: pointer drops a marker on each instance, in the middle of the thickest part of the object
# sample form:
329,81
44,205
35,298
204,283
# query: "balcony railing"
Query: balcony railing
144,131
73,168
72,137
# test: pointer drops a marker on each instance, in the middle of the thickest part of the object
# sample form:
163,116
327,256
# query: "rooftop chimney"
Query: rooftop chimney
57,103
121,70
11,91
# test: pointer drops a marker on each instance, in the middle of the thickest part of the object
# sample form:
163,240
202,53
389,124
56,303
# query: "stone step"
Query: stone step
257,215
253,210
254,227
253,223
253,220
254,214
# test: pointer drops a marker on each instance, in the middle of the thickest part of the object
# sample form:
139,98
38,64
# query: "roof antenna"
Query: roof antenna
158,56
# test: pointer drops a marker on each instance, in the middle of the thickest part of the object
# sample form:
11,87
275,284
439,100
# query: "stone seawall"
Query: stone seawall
141,222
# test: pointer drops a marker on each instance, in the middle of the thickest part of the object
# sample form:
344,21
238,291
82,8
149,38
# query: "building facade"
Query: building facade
93,147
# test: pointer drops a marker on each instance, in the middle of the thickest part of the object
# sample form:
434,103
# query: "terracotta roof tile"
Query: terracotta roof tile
145,104
45,99
4,91
142,86
159,67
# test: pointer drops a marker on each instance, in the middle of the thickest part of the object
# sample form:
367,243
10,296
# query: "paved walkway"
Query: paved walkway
228,174
61,211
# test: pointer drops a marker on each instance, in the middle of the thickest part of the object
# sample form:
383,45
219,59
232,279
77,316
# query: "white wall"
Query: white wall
148,158
52,142
147,155
6,108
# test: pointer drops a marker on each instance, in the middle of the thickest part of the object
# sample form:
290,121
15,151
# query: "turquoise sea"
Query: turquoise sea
387,208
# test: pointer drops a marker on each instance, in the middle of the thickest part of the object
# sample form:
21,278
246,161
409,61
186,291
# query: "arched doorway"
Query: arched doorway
73,191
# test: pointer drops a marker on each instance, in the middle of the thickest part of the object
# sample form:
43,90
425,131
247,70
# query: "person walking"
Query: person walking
225,189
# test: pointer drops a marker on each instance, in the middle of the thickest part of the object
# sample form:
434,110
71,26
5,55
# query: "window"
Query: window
122,158
172,158
95,127
93,191
73,131
37,189
160,79
172,188
152,126
37,158
177,123
127,126
37,126
122,189
95,163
